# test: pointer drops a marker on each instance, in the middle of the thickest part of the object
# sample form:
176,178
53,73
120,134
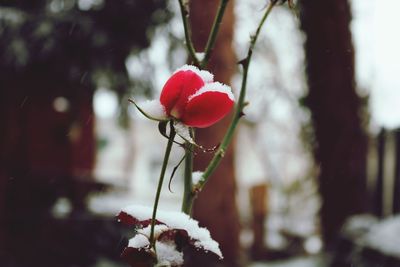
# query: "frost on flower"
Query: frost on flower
214,87
206,76
176,235
183,131
167,254
154,109
190,96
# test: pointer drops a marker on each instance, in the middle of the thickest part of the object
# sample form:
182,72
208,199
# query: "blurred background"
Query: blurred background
312,179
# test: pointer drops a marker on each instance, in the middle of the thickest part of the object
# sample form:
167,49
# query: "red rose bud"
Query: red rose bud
191,96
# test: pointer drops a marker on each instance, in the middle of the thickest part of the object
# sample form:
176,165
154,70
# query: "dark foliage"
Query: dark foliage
53,49
73,45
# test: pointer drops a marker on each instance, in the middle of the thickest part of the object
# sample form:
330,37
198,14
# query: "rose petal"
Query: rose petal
176,91
127,219
139,257
200,237
208,105
214,87
131,221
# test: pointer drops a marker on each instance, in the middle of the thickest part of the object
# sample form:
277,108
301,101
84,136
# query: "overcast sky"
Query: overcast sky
377,42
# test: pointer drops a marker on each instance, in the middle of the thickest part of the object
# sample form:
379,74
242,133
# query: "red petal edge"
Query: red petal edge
131,221
206,109
127,219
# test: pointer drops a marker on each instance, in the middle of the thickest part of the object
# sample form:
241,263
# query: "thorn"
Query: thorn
221,152
243,62
196,189
208,150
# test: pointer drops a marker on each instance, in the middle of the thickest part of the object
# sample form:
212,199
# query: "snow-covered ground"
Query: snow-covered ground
312,261
370,237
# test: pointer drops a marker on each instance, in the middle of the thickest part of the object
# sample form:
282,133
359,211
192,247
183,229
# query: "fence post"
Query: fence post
396,188
258,202
378,190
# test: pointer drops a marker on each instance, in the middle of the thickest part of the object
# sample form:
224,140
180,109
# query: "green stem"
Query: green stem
188,34
188,185
189,194
239,106
213,34
160,183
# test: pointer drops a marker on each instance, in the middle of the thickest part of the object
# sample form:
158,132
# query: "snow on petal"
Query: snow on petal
139,241
168,255
205,75
214,87
154,109
209,105
180,221
139,212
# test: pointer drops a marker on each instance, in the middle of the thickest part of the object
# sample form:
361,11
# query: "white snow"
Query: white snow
214,87
178,220
308,261
205,75
384,236
196,176
200,55
167,254
154,109
357,226
141,239
183,131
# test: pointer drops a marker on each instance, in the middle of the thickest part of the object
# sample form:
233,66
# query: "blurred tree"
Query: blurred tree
77,41
53,55
341,143
215,207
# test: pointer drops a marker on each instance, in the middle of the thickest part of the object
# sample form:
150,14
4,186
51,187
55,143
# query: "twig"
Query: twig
160,183
188,184
213,33
184,6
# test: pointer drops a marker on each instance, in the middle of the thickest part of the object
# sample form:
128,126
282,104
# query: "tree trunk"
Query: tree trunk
215,207
45,154
341,143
